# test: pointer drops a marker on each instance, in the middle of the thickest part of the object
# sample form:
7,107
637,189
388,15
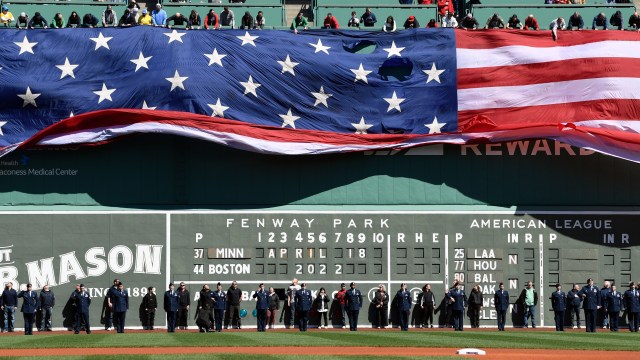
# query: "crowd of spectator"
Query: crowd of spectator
133,15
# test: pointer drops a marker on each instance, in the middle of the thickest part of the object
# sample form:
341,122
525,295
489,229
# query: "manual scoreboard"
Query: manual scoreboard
322,249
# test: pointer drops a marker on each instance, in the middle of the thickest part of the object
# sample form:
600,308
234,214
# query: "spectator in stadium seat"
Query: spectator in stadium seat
6,17
634,21
159,16
145,18
411,23
531,23
89,21
178,20
247,21
194,20
557,24
432,23
600,20
330,22
23,21
37,21
353,21
261,22
127,19
469,22
211,20
514,23
299,21
227,18
368,19
389,25
406,2
444,7
616,20
57,22
74,20
494,22
109,17
133,5
575,21
449,21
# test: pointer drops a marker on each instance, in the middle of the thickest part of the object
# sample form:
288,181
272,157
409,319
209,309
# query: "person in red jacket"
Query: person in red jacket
330,22
531,23
425,2
445,6
211,20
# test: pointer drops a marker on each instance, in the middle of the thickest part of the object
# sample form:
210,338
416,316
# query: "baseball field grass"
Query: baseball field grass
602,340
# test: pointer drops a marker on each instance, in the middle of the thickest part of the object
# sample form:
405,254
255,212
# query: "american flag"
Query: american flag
319,91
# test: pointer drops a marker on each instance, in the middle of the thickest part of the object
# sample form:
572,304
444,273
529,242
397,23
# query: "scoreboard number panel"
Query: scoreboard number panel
324,249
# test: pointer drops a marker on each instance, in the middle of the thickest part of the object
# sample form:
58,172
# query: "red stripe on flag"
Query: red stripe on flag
548,72
492,39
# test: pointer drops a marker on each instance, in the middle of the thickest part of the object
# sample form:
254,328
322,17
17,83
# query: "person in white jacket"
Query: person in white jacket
449,21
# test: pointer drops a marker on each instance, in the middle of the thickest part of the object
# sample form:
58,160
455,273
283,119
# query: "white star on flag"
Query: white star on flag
71,114
218,108
141,62
361,127
29,98
288,65
321,97
289,119
104,94
361,74
175,36
67,69
215,58
434,74
319,47
101,41
394,102
2,123
177,81
247,39
250,86
393,50
435,127
147,107
25,46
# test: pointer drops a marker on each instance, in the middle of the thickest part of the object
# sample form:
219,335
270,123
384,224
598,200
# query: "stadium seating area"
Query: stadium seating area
275,13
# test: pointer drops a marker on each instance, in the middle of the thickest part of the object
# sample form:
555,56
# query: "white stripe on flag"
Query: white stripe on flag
549,93
516,55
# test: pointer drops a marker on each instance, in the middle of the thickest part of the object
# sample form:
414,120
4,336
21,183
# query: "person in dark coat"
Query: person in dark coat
184,300
30,304
274,306
340,297
458,302
108,312
604,297
82,300
559,306
590,304
381,303
234,298
501,302
304,302
614,306
204,314
403,297
47,302
353,304
171,306
573,305
475,305
9,304
150,304
120,301
427,303
219,305
322,307
632,305
262,307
